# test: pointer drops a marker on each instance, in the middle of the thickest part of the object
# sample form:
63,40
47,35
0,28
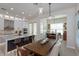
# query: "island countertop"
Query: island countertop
10,37
5,38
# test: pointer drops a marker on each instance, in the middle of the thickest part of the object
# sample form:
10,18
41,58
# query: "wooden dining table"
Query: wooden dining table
40,49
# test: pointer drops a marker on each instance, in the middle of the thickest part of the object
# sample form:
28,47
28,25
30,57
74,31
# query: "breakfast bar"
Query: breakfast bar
13,40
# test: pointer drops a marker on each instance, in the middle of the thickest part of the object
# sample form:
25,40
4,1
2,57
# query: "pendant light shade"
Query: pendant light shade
49,11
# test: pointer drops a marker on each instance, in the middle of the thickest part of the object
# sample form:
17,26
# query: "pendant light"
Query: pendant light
49,10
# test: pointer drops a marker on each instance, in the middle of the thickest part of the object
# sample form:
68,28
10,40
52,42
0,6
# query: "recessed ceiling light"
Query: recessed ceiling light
11,17
6,16
12,8
22,12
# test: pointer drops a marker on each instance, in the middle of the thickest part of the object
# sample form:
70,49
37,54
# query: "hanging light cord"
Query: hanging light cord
49,9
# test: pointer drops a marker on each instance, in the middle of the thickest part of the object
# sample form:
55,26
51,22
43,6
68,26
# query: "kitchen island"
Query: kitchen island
11,41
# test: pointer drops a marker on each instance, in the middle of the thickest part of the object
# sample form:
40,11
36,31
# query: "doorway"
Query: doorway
59,27
33,28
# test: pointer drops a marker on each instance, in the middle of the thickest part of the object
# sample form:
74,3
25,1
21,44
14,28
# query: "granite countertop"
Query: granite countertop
4,38
10,37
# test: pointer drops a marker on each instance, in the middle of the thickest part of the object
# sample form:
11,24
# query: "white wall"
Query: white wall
71,32
77,31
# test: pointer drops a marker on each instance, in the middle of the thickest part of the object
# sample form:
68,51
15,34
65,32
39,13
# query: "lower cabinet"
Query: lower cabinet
11,44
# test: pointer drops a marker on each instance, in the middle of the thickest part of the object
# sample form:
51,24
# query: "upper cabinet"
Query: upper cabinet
19,24
8,25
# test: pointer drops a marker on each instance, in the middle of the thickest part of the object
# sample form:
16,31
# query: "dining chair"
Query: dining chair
22,52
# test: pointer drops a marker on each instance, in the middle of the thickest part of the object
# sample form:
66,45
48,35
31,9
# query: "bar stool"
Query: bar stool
23,52
20,50
17,44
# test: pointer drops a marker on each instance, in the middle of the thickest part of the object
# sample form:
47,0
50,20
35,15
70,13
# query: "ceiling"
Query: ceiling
31,10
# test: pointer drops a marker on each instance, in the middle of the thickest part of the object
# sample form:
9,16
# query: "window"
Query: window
34,28
57,27
30,28
41,28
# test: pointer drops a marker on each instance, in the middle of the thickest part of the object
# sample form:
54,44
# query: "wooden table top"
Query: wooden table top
40,49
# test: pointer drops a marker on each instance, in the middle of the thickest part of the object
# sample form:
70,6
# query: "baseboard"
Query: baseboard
71,47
